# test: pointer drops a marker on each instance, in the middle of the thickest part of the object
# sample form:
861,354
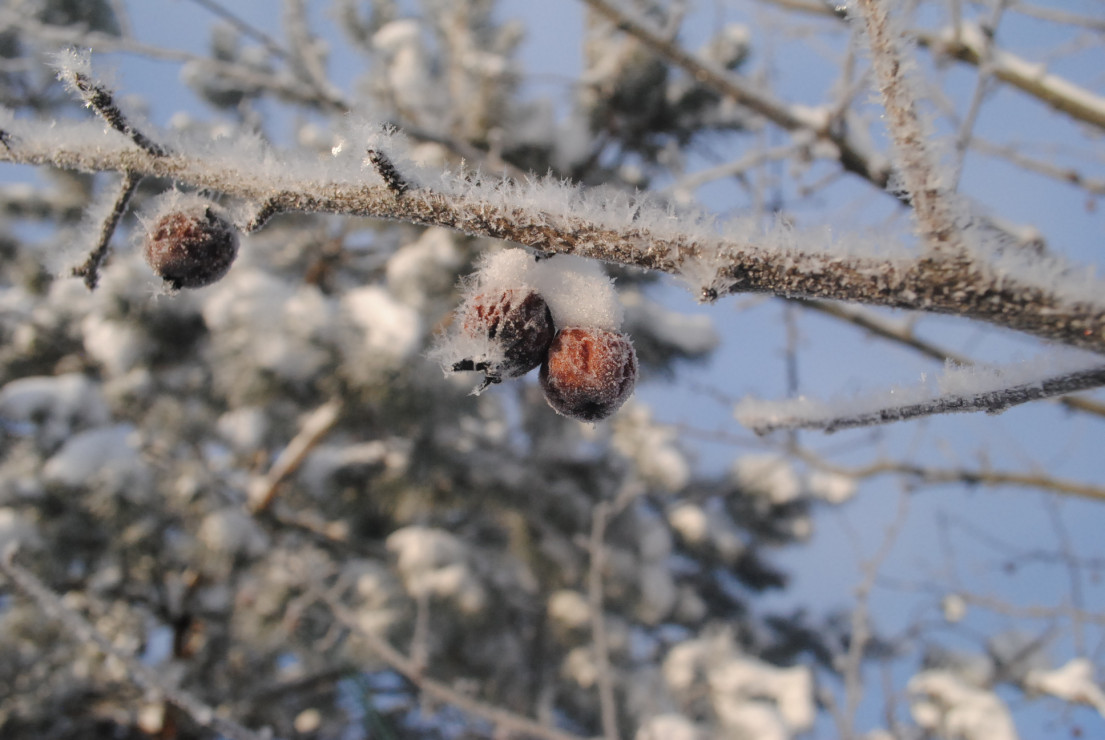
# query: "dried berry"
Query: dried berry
589,373
514,325
191,247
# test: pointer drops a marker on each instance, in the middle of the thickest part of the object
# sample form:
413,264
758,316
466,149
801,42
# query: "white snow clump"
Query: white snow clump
943,703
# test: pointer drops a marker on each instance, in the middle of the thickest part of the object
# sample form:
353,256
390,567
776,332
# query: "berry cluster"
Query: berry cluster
560,314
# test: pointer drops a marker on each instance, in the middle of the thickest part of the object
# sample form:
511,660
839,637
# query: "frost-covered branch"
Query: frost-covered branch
90,269
960,390
967,43
902,334
917,165
144,676
74,69
1045,298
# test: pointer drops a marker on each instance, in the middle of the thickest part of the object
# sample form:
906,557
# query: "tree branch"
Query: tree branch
1021,296
313,428
903,335
90,269
597,550
968,44
992,395
933,205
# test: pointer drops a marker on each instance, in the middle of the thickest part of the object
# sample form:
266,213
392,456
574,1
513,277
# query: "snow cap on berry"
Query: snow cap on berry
188,240
579,292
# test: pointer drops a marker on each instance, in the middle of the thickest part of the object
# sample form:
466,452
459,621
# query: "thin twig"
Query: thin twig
852,154
101,100
861,618
932,475
1092,185
314,427
902,334
243,27
768,416
932,203
90,269
597,549
142,675
387,172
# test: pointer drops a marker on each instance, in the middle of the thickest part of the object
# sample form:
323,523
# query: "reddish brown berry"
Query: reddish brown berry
589,373
519,327
191,247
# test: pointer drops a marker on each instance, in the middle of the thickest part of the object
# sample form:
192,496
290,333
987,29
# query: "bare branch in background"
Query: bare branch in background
934,475
313,429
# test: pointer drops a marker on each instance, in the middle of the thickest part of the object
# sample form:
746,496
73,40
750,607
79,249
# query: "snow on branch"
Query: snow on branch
959,389
1044,297
934,208
968,43
75,70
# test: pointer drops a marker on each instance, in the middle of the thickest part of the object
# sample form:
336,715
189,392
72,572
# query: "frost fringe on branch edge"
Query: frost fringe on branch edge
1042,296
555,217
959,389
934,209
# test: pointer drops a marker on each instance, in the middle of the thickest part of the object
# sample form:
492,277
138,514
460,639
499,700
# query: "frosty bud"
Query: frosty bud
517,322
589,373
191,246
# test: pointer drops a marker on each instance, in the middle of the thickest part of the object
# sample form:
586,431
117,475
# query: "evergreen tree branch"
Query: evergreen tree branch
1026,300
142,675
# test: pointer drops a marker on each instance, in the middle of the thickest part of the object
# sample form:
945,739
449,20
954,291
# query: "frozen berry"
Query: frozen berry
517,326
191,247
589,373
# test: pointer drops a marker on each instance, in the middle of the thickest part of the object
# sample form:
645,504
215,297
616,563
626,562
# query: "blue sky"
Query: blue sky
751,358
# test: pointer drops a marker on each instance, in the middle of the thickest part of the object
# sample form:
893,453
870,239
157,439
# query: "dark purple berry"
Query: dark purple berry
191,247
518,324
